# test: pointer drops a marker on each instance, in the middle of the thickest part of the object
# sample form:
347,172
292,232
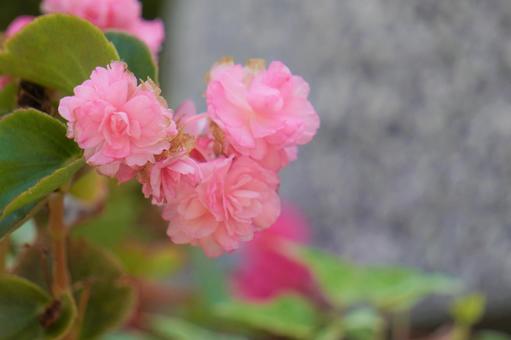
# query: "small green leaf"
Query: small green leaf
363,324
286,315
177,329
56,50
111,296
90,189
135,53
8,96
339,280
150,261
332,331
36,159
467,310
28,312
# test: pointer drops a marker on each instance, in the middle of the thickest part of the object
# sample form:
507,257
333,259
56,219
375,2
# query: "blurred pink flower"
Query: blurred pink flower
121,126
264,271
14,27
17,24
234,199
123,15
263,113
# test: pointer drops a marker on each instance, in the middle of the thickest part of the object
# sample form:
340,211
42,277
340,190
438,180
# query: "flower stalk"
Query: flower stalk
58,234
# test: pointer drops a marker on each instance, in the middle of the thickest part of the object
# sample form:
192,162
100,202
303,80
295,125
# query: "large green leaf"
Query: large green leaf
8,97
35,159
56,50
27,312
392,288
94,272
286,315
135,53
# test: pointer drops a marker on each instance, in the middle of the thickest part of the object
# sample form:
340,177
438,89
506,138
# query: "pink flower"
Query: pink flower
121,126
161,179
152,32
264,271
14,27
124,15
234,199
17,24
263,113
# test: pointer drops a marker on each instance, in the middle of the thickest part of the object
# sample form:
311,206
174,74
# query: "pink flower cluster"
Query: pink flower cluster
123,15
215,175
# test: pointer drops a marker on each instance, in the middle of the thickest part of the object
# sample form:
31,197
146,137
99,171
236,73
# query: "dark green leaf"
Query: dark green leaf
28,312
286,315
36,158
56,50
135,53
94,272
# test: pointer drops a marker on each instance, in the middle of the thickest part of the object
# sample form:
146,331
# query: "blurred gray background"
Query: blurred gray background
412,163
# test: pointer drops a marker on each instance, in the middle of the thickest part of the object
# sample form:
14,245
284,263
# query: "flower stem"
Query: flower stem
58,232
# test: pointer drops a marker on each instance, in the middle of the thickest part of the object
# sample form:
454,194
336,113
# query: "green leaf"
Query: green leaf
36,159
28,312
150,261
117,220
111,296
135,53
363,324
177,329
90,189
286,315
58,51
8,96
16,219
467,310
94,272
398,289
391,288
332,331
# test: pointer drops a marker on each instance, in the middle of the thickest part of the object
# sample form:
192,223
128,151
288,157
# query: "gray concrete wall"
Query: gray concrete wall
412,163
